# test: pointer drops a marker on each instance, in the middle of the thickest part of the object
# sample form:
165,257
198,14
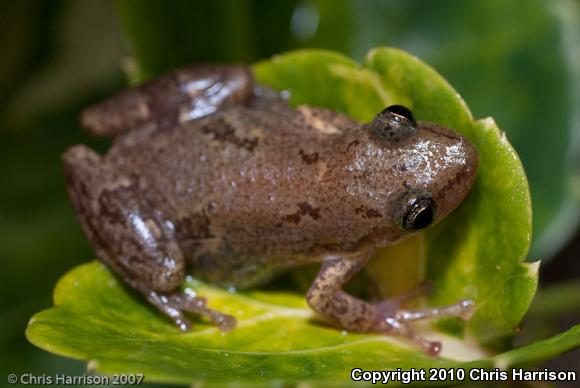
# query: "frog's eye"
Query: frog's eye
415,210
420,215
395,123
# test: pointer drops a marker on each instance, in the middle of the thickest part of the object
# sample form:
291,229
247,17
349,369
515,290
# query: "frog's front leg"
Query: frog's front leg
131,237
327,298
182,95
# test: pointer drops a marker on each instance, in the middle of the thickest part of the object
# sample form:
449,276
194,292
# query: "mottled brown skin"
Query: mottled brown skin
211,174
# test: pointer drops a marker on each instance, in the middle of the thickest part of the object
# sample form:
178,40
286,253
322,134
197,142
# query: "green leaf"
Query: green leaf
96,319
477,252
540,350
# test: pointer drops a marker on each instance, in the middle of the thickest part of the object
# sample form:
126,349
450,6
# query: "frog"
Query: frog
211,174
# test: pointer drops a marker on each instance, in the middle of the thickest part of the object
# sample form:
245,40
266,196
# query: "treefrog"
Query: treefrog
211,173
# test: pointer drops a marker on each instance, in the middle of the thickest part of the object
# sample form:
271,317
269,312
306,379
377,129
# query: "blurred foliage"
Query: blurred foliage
516,60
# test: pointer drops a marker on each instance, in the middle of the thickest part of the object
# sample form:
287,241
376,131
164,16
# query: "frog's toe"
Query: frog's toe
397,321
389,307
174,305
197,305
402,328
463,309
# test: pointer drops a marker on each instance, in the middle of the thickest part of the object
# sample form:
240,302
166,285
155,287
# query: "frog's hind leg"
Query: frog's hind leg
182,95
131,237
327,298
120,224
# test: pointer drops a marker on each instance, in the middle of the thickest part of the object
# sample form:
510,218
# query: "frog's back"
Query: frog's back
214,158
235,185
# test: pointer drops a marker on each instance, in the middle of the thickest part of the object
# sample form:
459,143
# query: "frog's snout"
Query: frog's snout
460,175
471,162
450,170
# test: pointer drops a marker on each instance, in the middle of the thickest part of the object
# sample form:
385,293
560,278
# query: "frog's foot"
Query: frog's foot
175,304
327,298
392,319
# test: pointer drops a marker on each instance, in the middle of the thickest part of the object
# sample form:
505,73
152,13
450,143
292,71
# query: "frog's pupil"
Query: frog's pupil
424,217
420,215
401,111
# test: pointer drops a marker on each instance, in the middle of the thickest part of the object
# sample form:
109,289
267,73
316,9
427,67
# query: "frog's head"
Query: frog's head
420,171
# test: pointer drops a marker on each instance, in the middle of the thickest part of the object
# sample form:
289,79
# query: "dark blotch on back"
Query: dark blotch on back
304,209
353,143
197,226
309,158
222,131
367,212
